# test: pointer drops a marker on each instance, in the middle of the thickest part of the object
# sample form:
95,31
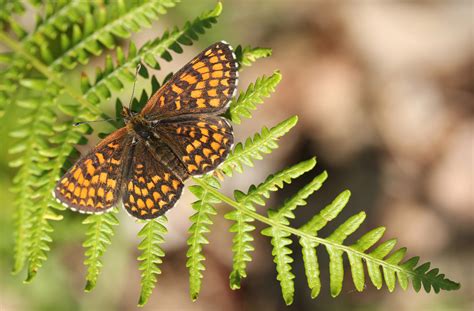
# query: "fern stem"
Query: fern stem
300,233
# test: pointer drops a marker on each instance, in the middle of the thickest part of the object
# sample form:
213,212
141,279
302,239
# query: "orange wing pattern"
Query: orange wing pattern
177,134
153,186
204,85
92,185
202,143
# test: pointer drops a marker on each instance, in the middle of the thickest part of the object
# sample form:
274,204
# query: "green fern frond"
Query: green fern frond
152,234
113,76
318,221
248,55
58,17
242,228
254,95
102,30
382,266
25,181
253,148
201,221
280,239
32,219
99,235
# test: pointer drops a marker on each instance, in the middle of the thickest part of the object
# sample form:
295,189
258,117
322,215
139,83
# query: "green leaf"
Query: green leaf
201,221
253,148
248,55
255,93
99,235
152,235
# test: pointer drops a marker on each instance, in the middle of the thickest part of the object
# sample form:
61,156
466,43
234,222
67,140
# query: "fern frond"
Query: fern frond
254,95
102,30
382,264
201,221
26,177
113,76
58,17
99,235
248,55
253,148
308,245
242,228
153,236
280,239
33,229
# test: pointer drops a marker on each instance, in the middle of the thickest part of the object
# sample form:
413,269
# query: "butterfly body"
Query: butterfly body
179,133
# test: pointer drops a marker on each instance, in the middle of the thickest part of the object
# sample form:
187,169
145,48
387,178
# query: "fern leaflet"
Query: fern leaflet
99,236
153,236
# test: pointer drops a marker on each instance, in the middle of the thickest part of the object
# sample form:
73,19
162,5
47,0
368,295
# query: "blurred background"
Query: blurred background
384,95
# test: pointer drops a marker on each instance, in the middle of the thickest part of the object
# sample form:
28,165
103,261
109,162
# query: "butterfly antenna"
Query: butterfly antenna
84,122
139,66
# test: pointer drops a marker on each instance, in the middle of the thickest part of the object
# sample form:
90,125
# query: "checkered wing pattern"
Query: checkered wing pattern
201,143
155,181
92,184
204,85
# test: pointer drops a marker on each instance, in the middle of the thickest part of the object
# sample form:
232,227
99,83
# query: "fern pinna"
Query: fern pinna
71,33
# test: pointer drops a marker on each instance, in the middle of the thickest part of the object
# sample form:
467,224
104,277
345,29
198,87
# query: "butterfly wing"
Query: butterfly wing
204,85
200,142
154,182
93,183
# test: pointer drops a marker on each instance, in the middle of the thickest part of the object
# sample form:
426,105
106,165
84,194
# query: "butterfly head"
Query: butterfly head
127,114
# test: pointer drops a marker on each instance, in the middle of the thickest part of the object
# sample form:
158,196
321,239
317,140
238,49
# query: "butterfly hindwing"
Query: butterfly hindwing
201,143
92,184
152,186
204,85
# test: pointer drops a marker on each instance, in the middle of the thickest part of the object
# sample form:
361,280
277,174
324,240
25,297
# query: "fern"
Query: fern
99,236
70,33
152,234
280,238
201,221
247,101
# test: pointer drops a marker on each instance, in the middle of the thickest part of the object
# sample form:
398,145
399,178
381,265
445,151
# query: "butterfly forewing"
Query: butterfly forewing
205,85
92,185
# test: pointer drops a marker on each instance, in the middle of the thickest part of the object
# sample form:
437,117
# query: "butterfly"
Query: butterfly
179,133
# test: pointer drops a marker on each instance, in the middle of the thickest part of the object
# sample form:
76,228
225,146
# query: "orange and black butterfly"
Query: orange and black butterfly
178,134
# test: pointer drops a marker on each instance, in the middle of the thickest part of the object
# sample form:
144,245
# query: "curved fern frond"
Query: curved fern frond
254,95
25,181
318,221
253,148
383,265
242,228
153,236
201,221
280,239
113,76
102,30
99,235
248,55
58,17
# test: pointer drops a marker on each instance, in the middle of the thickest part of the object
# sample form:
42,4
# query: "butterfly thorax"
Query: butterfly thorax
136,124
139,126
